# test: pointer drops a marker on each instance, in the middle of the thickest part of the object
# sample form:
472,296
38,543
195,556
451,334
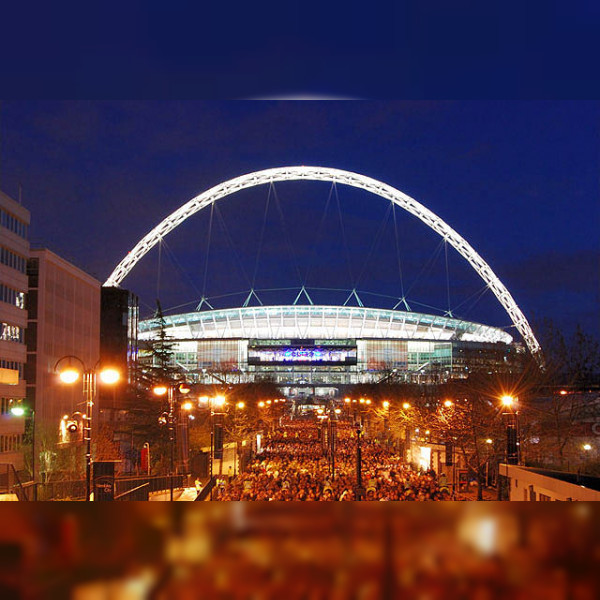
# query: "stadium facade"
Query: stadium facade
319,350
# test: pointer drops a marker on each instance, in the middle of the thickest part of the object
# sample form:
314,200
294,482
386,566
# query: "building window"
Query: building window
12,365
7,403
12,260
13,223
10,443
11,296
11,333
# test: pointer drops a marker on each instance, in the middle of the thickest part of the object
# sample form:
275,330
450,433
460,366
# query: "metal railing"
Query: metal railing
140,488
205,493
70,489
10,483
126,488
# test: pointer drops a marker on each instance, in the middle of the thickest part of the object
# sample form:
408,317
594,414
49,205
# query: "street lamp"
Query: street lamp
586,452
146,453
359,486
334,414
386,421
69,369
216,432
19,410
512,436
169,419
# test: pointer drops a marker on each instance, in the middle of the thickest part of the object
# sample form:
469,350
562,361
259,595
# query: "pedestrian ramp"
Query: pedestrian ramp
188,495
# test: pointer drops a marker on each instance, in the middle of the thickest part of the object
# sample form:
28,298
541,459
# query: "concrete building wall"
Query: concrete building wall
527,485
14,252
64,320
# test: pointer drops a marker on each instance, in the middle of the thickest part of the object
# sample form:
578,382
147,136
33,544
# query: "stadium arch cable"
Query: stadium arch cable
338,176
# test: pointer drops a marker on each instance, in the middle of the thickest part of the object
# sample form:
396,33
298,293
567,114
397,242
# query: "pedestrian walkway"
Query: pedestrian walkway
489,494
188,495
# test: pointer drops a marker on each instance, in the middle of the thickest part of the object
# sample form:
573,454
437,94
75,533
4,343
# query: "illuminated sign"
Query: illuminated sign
303,355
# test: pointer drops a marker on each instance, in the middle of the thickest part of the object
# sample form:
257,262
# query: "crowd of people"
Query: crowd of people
296,463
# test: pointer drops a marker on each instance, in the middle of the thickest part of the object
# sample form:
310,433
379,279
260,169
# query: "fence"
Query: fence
126,488
203,495
139,488
11,484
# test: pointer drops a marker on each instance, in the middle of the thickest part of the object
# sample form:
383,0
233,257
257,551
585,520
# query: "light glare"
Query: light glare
109,376
507,400
69,375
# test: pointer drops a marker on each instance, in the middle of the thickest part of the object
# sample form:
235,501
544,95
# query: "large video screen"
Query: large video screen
308,355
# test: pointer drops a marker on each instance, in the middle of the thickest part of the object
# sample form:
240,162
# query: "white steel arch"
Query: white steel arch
346,178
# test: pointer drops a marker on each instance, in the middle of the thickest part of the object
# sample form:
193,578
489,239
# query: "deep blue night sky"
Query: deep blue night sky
519,180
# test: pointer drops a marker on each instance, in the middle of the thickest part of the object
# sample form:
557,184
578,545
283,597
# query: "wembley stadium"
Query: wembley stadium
318,350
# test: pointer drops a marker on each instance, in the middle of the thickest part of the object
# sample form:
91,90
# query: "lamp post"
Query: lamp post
386,421
18,410
69,374
146,448
586,451
216,406
512,434
169,390
359,486
489,442
333,438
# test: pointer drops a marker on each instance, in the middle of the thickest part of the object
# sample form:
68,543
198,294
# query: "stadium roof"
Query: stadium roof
320,322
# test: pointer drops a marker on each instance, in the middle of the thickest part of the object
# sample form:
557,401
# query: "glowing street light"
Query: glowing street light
18,410
109,376
448,403
386,404
241,404
405,405
587,447
512,435
69,374
216,405
169,417
507,401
